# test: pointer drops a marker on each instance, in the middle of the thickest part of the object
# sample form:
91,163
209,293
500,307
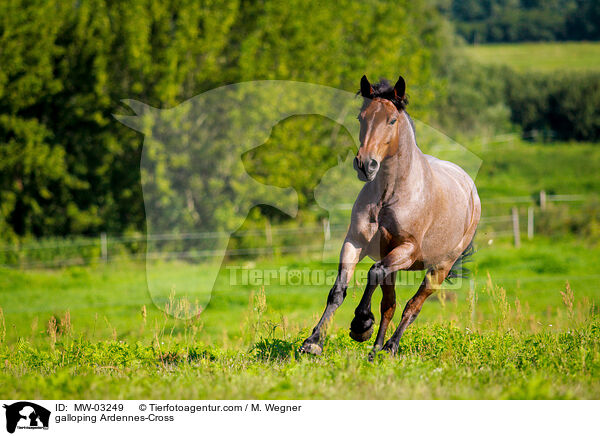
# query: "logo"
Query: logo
26,415
197,189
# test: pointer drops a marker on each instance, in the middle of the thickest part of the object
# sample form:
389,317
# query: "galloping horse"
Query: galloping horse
415,212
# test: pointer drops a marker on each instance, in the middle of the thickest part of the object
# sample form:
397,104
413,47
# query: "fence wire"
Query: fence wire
275,240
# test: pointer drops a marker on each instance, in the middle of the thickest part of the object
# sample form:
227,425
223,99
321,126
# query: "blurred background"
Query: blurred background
517,82
491,74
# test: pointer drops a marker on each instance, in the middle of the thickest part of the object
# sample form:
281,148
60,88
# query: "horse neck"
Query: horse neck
405,170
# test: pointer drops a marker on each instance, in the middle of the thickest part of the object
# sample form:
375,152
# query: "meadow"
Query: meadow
540,56
527,325
76,323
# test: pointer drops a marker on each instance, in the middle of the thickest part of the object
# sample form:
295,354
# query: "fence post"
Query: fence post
543,199
104,246
530,223
515,221
269,236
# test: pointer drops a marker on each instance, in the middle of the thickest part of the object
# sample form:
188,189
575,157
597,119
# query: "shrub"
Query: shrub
564,106
560,219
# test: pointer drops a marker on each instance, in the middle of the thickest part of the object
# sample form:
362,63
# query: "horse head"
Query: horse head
379,126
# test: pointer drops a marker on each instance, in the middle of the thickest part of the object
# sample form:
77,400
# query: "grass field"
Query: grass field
583,56
515,168
527,326
93,332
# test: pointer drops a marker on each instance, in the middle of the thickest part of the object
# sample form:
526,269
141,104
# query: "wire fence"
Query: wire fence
270,240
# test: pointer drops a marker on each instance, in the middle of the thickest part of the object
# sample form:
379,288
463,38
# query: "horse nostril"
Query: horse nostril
373,164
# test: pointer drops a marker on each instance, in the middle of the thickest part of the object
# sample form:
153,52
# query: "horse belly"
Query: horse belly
456,220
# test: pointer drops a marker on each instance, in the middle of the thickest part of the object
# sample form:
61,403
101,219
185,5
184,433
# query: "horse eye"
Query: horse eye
393,121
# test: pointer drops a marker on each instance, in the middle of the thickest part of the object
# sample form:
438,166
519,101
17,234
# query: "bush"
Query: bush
565,106
496,99
560,219
475,98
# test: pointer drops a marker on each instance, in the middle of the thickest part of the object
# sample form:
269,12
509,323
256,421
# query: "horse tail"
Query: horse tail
459,270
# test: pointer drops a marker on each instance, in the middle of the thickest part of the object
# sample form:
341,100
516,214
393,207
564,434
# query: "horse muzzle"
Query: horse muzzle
366,173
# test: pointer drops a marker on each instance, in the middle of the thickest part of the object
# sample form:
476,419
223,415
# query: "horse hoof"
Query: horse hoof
310,348
361,329
361,337
390,349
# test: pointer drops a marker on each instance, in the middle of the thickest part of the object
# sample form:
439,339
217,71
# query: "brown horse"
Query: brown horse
415,212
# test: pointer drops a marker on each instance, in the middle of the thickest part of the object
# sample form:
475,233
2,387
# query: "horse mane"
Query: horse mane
384,89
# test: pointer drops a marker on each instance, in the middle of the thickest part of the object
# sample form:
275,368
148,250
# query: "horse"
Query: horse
414,212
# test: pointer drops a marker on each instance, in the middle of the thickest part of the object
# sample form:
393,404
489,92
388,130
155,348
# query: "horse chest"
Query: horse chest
384,217
379,221
373,215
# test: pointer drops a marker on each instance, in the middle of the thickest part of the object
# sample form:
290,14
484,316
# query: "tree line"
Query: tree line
68,167
484,21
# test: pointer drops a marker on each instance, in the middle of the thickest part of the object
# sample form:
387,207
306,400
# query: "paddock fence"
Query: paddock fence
516,223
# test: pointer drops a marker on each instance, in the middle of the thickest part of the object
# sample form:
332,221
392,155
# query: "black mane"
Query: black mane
384,89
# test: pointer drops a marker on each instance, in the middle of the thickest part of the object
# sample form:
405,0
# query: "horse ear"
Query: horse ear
365,87
400,88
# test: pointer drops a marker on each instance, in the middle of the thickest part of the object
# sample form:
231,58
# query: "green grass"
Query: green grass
517,168
435,362
518,340
555,56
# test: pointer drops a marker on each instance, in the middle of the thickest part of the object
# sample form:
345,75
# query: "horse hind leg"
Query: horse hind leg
432,281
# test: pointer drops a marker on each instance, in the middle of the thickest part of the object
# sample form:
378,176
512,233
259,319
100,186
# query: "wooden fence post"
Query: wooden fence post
104,246
530,223
543,199
269,236
515,221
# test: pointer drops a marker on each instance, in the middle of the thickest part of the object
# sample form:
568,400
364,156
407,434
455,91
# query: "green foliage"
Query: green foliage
584,222
67,167
31,163
474,99
487,98
563,106
524,20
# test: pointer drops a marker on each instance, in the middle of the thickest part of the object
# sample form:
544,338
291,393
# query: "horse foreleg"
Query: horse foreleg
350,255
431,282
380,273
388,307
